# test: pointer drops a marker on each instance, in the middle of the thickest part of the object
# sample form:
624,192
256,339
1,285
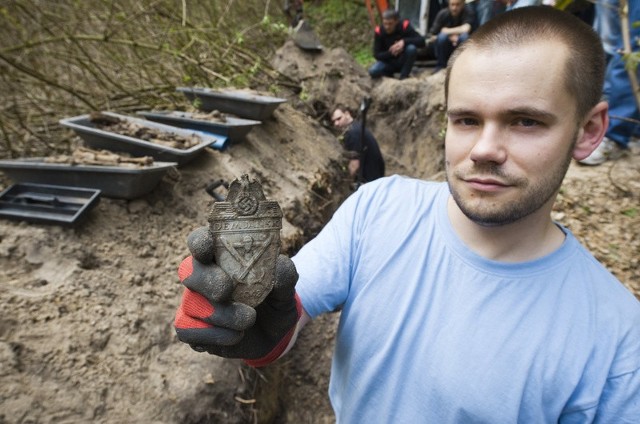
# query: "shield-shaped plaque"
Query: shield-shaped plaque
246,232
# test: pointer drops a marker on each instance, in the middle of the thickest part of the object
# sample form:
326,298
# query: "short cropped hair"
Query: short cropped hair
391,14
585,65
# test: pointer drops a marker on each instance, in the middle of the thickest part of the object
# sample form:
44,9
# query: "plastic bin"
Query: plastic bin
234,128
240,103
113,181
48,204
101,139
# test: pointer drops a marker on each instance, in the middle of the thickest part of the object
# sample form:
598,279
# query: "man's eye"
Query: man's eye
466,121
526,122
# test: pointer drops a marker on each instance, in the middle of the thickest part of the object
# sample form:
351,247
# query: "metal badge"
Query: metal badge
246,232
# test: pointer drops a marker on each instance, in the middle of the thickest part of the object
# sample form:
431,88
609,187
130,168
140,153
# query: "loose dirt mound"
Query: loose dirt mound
86,313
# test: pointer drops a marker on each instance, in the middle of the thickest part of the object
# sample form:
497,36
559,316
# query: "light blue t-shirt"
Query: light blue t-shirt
431,332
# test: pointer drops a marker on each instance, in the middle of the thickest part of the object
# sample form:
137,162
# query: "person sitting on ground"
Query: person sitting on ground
451,28
395,46
460,301
365,164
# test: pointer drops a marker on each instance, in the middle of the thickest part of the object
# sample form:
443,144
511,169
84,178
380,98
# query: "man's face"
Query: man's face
510,131
389,25
456,7
340,119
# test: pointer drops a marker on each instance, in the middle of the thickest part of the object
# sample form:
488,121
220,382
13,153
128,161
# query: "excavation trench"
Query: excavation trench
408,122
86,333
86,313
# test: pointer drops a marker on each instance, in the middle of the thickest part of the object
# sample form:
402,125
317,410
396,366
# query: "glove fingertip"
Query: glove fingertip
185,269
246,316
201,246
286,272
234,316
184,321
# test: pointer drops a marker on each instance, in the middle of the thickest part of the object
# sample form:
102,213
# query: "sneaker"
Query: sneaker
607,149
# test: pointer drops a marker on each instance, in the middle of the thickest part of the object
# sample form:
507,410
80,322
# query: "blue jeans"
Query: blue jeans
622,103
487,9
617,86
403,64
606,22
444,48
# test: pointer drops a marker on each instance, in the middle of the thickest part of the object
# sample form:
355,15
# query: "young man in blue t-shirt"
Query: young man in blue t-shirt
461,301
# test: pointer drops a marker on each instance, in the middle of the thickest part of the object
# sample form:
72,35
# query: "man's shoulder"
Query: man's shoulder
398,180
352,134
598,282
406,26
402,189
443,13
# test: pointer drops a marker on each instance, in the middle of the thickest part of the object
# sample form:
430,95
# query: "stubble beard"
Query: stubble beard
492,213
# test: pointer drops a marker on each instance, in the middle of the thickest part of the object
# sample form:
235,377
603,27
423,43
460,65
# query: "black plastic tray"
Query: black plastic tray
47,203
234,128
101,139
113,181
240,103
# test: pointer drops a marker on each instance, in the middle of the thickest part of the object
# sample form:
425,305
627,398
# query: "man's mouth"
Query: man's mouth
486,184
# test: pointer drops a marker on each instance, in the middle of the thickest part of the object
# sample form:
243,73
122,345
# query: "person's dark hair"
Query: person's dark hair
586,63
391,14
343,108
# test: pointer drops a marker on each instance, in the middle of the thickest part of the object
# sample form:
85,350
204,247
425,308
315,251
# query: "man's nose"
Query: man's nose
490,145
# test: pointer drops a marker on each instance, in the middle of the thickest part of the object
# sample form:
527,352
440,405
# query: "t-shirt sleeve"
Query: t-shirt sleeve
328,265
324,264
438,23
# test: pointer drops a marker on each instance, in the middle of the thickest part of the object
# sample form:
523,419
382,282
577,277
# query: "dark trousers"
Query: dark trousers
403,64
444,48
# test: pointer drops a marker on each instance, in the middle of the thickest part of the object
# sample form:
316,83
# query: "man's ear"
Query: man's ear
592,131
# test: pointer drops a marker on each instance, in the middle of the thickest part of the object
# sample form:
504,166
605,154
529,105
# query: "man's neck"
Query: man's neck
527,239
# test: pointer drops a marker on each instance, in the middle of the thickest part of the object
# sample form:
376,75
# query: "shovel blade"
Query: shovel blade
305,38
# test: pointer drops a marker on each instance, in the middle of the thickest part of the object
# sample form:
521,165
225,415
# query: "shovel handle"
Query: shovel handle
210,189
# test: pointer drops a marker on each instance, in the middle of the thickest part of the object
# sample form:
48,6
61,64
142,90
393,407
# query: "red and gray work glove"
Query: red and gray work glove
209,321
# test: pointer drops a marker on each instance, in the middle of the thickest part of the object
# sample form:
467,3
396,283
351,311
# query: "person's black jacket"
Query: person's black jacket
371,161
382,41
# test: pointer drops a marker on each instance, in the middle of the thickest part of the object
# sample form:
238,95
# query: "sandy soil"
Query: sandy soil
86,313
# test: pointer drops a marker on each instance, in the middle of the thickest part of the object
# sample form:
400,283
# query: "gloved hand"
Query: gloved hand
208,320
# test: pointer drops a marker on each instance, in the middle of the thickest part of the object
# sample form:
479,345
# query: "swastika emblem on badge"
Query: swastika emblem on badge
246,205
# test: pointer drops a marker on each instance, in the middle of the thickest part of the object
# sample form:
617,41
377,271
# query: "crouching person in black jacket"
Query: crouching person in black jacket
395,46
